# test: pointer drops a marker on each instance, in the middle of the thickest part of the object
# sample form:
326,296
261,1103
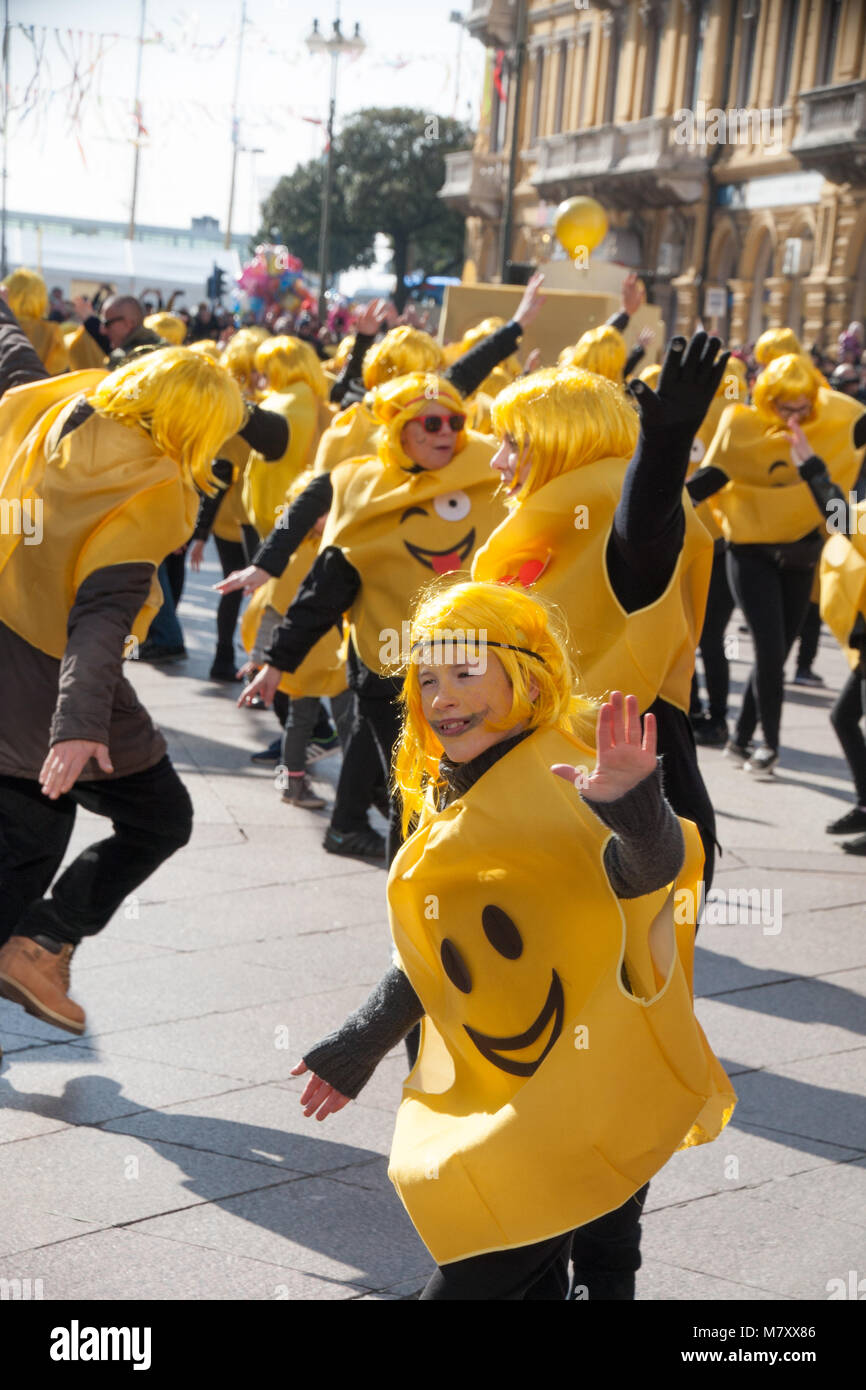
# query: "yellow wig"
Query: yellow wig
401,400
776,342
341,356
27,293
401,350
206,347
601,350
565,418
786,379
457,621
239,354
285,360
187,404
504,372
168,326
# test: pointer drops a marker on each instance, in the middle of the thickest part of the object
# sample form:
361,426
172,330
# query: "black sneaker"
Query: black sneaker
855,819
737,752
711,733
223,669
271,754
857,846
358,844
160,656
808,678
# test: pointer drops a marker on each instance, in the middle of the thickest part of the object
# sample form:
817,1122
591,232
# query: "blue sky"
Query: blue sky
72,82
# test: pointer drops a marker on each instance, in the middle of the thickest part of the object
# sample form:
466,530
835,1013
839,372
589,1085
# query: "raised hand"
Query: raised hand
632,293
690,377
371,319
531,301
624,758
801,449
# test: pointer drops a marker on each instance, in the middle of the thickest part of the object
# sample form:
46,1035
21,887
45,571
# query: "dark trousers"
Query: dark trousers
151,816
232,556
720,606
810,634
606,1253
845,716
773,596
530,1272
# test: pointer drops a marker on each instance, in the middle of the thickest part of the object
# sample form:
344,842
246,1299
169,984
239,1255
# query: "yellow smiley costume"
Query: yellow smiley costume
546,1091
232,515
354,434
555,542
298,392
843,582
765,501
110,492
399,528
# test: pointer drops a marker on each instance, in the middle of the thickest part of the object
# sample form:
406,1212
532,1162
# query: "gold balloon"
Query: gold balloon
581,224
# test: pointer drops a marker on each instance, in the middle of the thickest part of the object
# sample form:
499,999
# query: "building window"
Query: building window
612,71
697,47
827,48
787,34
750,11
560,88
536,96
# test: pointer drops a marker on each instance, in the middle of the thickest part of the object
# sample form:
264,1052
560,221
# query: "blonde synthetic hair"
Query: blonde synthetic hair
342,355
187,404
285,360
27,293
401,400
169,326
239,353
784,379
206,347
601,350
402,350
565,418
457,620
776,342
504,372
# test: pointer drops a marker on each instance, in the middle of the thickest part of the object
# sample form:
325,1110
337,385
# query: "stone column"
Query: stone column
780,293
741,291
687,305
840,296
815,310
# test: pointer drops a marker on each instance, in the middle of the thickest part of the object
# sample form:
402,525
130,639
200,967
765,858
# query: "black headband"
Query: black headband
508,646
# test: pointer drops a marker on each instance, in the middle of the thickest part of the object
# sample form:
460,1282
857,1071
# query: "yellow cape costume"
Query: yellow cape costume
105,497
765,503
545,1094
323,671
265,483
354,434
842,575
48,341
401,529
556,543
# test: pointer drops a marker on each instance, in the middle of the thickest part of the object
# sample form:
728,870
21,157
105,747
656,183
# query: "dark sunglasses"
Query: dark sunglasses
433,423
118,318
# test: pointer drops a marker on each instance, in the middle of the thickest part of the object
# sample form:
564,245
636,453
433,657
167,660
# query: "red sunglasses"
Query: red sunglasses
433,423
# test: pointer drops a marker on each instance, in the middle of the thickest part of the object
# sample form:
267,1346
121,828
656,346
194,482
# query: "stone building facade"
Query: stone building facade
725,138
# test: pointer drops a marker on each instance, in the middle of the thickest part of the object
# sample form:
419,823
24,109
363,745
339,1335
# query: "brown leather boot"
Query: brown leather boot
38,980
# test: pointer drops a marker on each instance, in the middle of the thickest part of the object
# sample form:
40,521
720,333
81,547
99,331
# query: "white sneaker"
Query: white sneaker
761,763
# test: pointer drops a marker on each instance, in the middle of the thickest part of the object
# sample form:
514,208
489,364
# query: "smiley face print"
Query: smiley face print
452,507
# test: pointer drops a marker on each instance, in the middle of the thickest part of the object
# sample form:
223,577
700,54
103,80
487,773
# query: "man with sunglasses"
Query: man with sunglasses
119,329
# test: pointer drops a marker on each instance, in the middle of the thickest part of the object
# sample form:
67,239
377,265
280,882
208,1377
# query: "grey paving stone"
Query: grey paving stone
747,1240
107,1179
316,1225
815,1101
657,1280
786,1022
265,1124
838,1190
25,1229
128,1264
84,1087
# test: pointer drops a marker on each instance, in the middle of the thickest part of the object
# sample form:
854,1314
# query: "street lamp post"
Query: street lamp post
334,45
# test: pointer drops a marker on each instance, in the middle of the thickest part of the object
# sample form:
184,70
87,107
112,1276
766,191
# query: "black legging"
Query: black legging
845,716
773,596
810,633
720,606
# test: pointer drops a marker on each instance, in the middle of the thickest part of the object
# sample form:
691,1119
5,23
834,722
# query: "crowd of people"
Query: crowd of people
485,583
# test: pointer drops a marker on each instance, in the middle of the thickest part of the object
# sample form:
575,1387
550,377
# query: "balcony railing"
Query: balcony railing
832,133
474,183
640,162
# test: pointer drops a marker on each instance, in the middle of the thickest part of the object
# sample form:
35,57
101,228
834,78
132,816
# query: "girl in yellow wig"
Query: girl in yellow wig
419,507
296,389
512,1130
239,357
601,350
27,297
767,515
105,465
610,540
